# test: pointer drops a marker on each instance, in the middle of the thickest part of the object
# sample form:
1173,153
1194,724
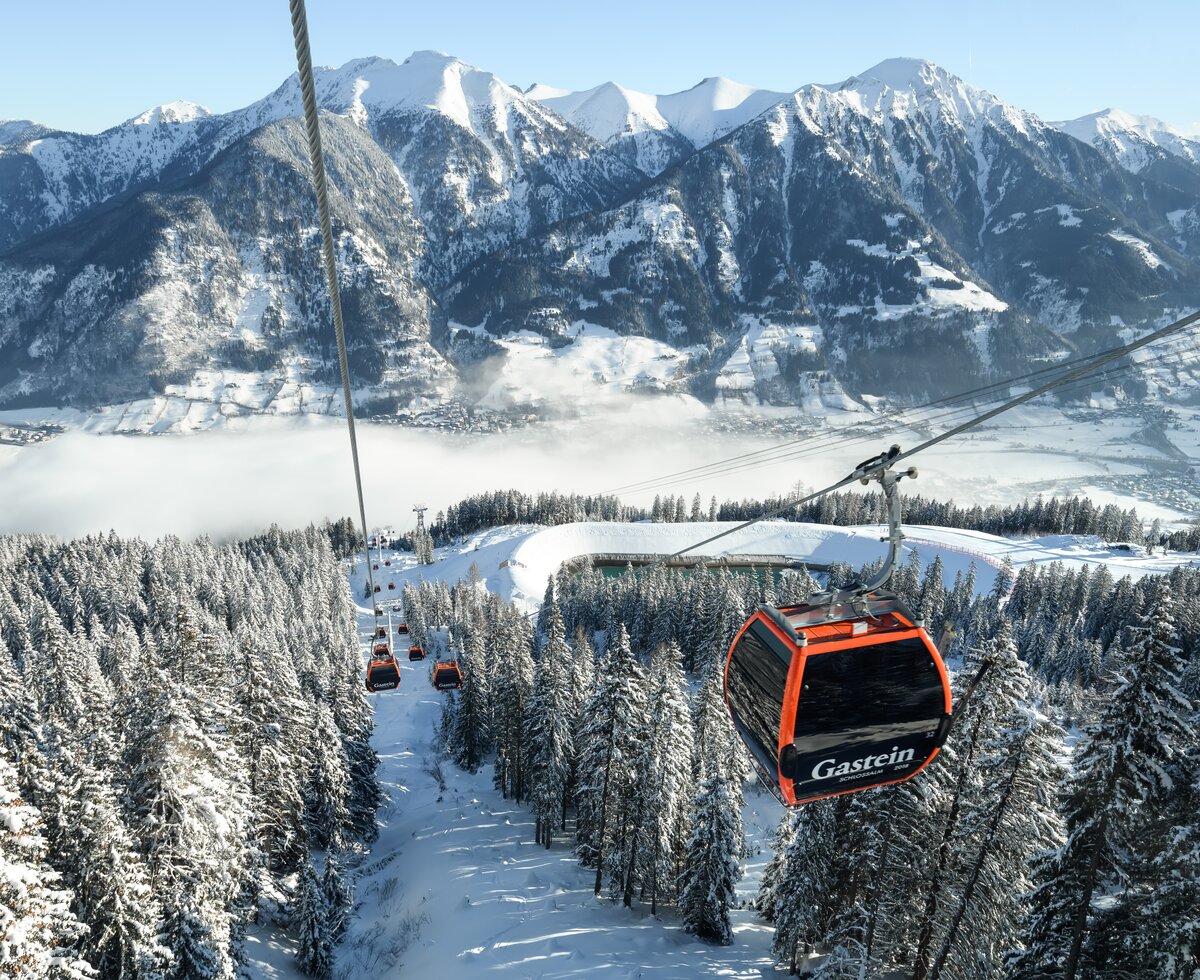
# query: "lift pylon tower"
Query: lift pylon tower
419,510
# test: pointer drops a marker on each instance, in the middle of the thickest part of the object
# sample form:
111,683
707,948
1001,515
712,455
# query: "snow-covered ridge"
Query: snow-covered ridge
897,87
701,114
517,561
1129,139
170,113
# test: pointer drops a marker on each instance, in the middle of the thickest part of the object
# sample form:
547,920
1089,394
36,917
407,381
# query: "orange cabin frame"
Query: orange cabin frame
826,638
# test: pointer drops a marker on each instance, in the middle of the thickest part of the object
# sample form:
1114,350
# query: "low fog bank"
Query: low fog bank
290,472
228,483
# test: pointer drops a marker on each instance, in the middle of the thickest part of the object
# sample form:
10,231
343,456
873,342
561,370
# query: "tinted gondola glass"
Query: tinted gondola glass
755,678
383,675
416,653
864,716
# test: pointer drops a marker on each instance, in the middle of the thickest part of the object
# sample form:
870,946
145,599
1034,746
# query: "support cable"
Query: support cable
317,156
1073,375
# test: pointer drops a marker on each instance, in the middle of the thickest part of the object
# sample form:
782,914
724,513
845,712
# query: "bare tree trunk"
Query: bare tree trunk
925,939
973,879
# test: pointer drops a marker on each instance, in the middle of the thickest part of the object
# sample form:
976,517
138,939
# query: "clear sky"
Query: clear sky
88,65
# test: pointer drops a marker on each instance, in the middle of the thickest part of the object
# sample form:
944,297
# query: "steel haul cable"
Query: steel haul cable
308,93
1073,375
803,444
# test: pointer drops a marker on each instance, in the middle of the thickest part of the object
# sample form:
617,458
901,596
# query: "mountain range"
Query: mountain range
896,235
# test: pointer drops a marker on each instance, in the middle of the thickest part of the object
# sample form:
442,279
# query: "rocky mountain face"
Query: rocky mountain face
888,236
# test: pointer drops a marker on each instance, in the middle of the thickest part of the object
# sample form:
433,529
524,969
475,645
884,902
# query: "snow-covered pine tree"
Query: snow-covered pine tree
314,953
511,686
1088,899
472,735
716,745
664,765
338,894
1004,683
772,876
107,876
628,788
327,788
801,915
1012,817
607,749
711,870
38,930
549,724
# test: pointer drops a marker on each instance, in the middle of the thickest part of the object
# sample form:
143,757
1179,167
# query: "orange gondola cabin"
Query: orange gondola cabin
382,672
402,628
447,676
416,653
840,694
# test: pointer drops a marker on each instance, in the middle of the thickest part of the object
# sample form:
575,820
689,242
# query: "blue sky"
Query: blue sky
86,66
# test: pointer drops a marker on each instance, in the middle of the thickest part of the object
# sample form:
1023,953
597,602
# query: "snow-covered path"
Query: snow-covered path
455,886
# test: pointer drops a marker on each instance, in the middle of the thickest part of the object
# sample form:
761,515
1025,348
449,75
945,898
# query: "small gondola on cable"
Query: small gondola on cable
447,676
381,632
416,653
402,628
382,672
392,586
845,691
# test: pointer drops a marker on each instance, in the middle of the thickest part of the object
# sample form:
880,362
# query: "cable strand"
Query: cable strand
317,157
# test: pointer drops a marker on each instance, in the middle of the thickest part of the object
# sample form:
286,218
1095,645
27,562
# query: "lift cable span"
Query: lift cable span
1073,375
317,157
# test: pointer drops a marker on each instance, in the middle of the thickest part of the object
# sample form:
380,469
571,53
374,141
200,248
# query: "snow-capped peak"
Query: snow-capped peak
169,113
369,88
897,86
606,111
906,73
1124,135
701,114
715,106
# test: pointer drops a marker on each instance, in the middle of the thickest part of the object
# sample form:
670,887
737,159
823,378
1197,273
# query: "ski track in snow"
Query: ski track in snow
455,885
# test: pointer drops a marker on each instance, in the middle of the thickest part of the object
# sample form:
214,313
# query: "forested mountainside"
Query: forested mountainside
184,741
875,237
184,749
1067,787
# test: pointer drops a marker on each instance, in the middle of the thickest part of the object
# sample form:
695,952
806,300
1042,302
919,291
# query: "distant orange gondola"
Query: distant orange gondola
382,672
416,653
447,676
391,585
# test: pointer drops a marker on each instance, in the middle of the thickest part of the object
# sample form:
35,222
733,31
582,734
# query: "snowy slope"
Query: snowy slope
515,562
1130,139
715,106
456,888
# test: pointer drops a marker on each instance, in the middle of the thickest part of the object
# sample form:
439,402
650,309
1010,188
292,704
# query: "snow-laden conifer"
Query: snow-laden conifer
1088,895
711,870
